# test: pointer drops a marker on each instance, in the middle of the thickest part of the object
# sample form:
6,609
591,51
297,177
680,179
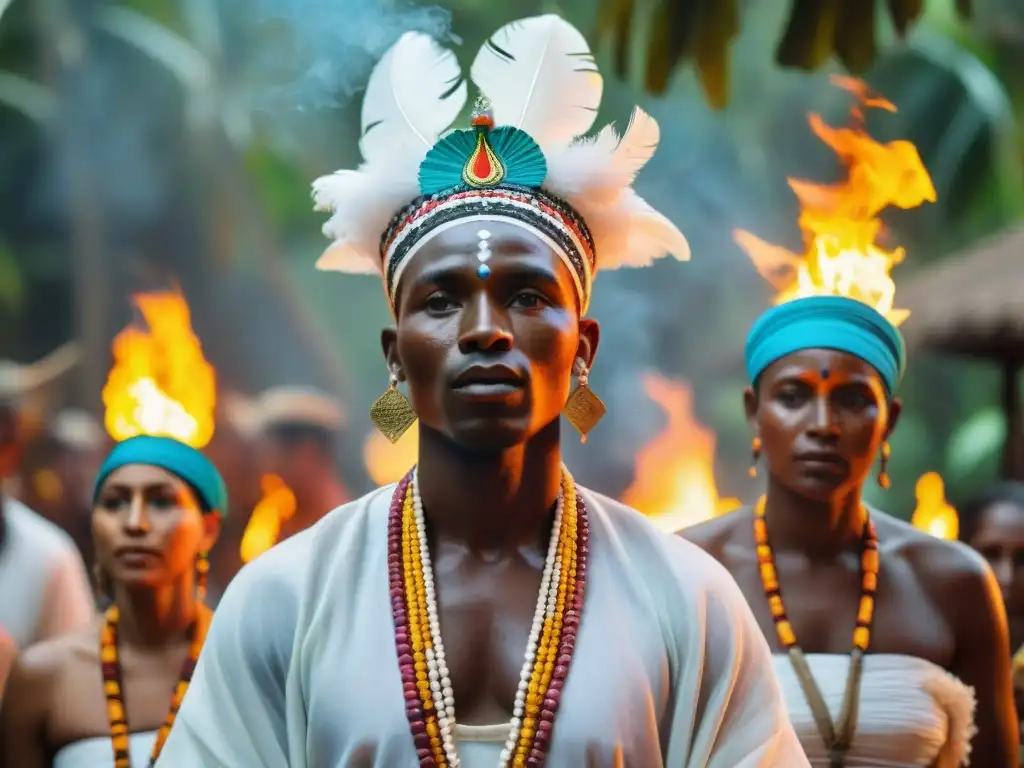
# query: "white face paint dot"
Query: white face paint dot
483,249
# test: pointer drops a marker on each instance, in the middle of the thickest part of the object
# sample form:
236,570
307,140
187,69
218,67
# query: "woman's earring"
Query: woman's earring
202,570
584,408
883,466
755,455
392,414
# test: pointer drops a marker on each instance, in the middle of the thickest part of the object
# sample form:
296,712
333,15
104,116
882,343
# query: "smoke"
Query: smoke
317,54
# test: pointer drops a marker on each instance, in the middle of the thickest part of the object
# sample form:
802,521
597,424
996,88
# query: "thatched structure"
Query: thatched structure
972,305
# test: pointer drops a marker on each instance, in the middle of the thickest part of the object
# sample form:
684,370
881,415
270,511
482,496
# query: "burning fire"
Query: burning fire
675,482
276,505
388,462
160,383
934,514
840,222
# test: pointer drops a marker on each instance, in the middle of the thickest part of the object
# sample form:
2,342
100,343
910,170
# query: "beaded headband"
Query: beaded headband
522,161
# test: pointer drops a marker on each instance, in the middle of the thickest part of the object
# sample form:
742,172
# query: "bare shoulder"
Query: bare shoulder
668,562
934,557
35,676
715,536
955,574
50,658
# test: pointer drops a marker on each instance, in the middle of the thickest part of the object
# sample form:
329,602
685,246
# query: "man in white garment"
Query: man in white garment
393,632
43,580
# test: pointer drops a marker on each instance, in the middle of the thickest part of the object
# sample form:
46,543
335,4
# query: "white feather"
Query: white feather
604,166
540,77
414,94
629,232
343,257
651,237
362,204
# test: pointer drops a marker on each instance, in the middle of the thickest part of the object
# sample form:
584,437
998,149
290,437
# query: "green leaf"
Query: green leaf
976,442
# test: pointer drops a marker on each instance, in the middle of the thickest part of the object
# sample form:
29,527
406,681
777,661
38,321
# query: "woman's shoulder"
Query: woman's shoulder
942,567
37,672
926,554
53,656
719,534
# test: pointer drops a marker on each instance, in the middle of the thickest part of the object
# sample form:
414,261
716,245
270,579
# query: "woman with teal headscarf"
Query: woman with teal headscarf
891,645
157,508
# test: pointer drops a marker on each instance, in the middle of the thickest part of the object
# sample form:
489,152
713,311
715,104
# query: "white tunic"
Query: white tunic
98,753
912,712
42,578
299,667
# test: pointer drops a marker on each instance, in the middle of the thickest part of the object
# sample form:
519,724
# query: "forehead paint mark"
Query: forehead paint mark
825,373
483,254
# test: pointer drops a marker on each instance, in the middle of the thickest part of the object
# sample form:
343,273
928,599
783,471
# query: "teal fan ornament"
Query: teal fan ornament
483,156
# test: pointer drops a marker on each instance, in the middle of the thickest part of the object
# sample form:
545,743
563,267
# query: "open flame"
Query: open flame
840,221
674,482
160,383
388,462
933,513
276,505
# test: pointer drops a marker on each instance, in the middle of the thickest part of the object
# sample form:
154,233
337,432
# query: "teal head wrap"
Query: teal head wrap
175,457
827,322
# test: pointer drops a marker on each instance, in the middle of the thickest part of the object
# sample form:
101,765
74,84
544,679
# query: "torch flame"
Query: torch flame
276,505
840,222
934,514
388,462
160,383
674,481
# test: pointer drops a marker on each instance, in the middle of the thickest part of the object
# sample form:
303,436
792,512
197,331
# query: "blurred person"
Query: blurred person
993,523
928,661
43,580
232,451
8,652
56,473
297,433
574,632
107,694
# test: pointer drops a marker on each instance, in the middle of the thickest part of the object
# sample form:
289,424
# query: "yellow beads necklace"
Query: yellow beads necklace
423,666
113,686
838,736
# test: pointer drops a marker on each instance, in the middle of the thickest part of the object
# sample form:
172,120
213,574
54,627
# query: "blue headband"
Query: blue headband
178,459
827,322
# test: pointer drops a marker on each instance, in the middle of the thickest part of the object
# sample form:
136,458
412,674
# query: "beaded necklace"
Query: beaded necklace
430,705
837,736
113,687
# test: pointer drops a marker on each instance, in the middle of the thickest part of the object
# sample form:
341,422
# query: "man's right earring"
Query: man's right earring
392,414
584,408
755,455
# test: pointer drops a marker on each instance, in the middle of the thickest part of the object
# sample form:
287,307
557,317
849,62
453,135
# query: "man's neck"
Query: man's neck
496,501
156,617
819,529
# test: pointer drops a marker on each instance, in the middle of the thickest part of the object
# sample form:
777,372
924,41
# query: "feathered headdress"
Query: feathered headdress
523,161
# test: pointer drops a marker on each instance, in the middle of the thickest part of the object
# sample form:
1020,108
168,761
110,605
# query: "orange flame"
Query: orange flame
674,481
160,383
276,505
388,462
934,514
840,222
